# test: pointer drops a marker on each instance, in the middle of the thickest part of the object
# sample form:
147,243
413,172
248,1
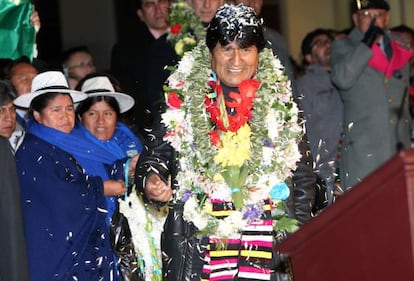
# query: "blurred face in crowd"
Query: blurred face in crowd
362,18
255,4
154,14
59,114
410,41
205,9
21,76
100,119
79,65
7,119
320,51
233,64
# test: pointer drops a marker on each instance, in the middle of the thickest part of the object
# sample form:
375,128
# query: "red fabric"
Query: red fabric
379,61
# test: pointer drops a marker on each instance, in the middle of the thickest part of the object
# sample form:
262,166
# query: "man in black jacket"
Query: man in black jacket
181,175
13,259
137,60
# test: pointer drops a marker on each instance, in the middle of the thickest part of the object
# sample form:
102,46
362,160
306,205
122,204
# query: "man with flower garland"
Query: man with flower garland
223,155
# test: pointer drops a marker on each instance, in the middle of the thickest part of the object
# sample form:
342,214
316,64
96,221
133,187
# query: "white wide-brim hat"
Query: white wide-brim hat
48,82
102,86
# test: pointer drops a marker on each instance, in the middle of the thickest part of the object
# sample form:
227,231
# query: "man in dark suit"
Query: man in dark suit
132,58
13,259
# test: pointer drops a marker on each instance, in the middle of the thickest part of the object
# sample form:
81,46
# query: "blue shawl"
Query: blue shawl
90,156
96,157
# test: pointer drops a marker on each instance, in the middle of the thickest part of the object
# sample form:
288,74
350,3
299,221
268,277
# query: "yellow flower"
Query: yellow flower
235,147
190,41
179,47
218,178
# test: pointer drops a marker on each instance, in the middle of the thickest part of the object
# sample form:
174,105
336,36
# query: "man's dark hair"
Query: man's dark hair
69,52
235,23
8,69
402,28
6,93
138,4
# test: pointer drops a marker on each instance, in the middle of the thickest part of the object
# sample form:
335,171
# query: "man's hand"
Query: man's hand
372,34
156,189
114,188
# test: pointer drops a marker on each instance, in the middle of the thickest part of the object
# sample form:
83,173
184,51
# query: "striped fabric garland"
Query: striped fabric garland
247,256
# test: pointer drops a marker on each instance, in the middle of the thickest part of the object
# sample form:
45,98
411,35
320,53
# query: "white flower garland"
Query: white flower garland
146,228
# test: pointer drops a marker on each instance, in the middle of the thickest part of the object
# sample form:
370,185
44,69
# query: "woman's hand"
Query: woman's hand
114,187
156,189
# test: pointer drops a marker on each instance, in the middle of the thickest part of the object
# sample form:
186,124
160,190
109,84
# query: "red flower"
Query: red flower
242,104
215,138
174,100
249,87
175,29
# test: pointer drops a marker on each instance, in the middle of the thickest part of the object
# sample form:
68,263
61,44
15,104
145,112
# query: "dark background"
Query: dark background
49,38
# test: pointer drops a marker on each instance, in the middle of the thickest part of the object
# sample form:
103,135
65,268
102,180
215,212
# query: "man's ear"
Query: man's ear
139,14
355,19
36,116
308,58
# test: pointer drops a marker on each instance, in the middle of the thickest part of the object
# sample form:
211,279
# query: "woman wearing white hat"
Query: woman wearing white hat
64,208
100,114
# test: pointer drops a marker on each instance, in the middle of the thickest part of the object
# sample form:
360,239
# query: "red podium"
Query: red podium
368,234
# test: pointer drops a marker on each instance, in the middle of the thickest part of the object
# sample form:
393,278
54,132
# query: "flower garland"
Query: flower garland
147,224
269,139
186,29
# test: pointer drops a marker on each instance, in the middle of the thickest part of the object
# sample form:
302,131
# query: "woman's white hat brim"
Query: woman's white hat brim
26,99
125,101
102,86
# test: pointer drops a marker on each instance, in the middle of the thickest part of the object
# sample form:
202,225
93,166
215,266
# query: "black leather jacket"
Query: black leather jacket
182,251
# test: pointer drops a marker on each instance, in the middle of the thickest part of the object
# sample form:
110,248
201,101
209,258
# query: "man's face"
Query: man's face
205,9
320,51
21,77
7,119
79,65
154,14
233,64
362,18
